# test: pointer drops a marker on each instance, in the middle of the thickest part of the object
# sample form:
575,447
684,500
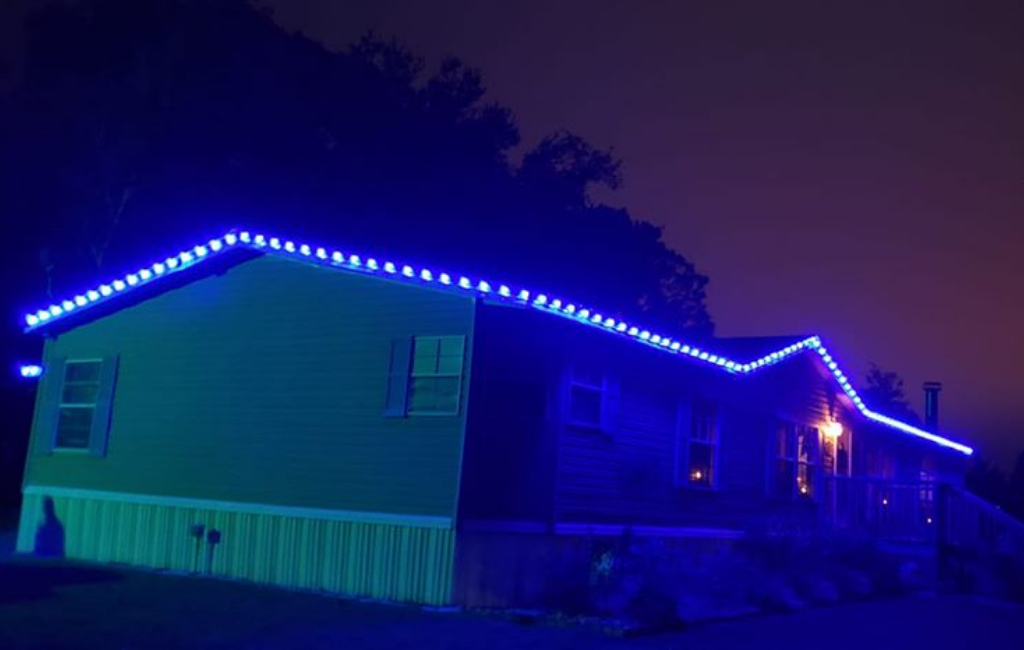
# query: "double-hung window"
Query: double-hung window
593,398
436,380
75,409
796,459
586,396
697,441
425,376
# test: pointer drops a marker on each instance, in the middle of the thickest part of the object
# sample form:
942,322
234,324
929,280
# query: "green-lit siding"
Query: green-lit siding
317,551
266,384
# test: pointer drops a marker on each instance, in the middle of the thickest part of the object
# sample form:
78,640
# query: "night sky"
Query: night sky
849,169
853,169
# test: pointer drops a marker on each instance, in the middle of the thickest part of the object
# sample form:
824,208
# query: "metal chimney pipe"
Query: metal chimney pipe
931,405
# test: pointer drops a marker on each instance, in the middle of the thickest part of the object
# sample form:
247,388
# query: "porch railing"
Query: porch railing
969,525
881,508
959,524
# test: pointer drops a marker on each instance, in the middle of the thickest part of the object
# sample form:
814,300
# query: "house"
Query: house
271,411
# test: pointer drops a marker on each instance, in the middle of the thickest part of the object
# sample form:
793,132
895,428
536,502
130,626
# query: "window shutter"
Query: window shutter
610,405
48,408
720,424
818,471
398,378
684,421
100,430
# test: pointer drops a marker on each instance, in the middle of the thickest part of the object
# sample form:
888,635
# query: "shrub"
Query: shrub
653,585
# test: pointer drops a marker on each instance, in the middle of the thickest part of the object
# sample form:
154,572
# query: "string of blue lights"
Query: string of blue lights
481,288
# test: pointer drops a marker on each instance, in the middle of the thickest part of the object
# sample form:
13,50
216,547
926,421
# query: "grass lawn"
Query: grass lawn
57,605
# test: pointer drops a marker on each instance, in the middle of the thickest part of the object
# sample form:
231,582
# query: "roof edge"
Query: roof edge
244,239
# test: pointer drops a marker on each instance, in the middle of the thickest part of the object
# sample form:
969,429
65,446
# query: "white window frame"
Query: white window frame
61,405
687,425
599,381
435,374
582,383
807,490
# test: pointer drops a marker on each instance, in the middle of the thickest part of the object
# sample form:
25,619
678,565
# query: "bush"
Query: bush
649,583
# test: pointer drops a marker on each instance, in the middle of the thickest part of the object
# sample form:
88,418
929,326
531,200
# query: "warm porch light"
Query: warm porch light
696,475
833,429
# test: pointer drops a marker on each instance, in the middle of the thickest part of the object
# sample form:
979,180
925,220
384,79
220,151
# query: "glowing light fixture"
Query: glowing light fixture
833,429
31,371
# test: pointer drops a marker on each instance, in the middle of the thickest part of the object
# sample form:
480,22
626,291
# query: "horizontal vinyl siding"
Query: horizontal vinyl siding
605,475
267,384
628,476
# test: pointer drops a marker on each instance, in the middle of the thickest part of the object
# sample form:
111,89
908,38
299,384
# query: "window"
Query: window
807,460
435,382
593,398
926,493
697,441
796,460
586,394
77,408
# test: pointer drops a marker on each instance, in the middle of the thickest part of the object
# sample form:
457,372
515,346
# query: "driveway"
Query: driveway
60,605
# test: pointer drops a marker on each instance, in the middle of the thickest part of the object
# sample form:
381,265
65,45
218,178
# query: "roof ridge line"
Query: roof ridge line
243,239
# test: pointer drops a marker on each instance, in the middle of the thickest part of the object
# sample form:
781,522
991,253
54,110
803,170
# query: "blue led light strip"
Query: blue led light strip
458,283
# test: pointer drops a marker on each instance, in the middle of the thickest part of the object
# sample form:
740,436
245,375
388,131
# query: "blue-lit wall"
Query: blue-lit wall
525,463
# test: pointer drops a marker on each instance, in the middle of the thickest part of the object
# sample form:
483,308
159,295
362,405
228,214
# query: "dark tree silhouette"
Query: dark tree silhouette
883,392
138,126
988,481
1014,501
985,479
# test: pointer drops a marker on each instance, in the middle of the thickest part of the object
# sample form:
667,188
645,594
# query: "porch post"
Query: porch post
942,531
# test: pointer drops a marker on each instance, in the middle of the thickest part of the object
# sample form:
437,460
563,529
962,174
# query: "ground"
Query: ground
58,605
